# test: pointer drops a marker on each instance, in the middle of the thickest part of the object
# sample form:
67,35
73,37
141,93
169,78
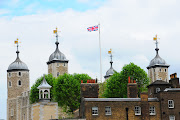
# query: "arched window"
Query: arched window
19,73
10,84
9,74
165,70
57,74
160,70
19,82
46,94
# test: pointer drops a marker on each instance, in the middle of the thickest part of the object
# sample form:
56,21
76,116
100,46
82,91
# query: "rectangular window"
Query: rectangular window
152,110
137,110
94,110
12,112
170,103
107,110
171,117
157,90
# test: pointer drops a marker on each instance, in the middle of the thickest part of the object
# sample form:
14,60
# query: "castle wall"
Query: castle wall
44,111
158,73
15,100
54,68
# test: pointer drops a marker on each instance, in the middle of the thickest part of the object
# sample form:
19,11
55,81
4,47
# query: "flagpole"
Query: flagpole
100,54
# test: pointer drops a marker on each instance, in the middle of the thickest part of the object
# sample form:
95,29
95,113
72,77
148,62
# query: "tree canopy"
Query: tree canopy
116,85
65,89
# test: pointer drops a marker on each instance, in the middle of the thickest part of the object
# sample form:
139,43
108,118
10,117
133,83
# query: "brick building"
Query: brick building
161,105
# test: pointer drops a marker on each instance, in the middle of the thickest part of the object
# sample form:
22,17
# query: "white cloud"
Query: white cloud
127,26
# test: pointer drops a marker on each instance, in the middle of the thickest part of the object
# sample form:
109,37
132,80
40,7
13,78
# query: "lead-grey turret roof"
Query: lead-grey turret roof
17,65
111,71
157,61
44,84
57,55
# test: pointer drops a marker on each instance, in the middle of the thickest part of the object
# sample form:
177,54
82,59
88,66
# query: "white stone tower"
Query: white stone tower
17,83
57,64
158,69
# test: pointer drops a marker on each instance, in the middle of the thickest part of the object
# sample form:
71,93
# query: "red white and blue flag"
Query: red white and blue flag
93,28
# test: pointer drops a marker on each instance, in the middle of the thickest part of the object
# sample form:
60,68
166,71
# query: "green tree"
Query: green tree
34,93
80,77
117,83
67,90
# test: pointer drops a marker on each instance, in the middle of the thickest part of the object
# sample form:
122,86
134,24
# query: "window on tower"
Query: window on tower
10,84
9,74
160,70
19,83
165,70
12,112
57,74
19,73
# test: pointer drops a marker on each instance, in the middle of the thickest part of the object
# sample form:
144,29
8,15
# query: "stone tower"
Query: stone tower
57,64
17,83
110,72
158,69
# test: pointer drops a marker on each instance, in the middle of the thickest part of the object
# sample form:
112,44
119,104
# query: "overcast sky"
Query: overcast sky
127,27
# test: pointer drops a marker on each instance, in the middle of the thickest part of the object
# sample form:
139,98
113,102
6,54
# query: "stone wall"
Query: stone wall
54,68
44,111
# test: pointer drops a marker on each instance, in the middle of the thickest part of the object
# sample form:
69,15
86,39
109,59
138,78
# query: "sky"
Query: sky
126,26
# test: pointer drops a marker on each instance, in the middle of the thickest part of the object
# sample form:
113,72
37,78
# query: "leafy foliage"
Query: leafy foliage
67,90
117,83
102,87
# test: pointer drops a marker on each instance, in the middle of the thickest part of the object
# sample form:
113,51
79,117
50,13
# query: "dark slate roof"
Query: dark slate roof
117,99
159,82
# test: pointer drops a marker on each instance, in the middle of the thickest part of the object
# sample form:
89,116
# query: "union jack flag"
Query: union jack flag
93,28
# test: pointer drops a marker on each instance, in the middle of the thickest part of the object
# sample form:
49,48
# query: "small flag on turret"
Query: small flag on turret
155,38
55,31
109,52
16,41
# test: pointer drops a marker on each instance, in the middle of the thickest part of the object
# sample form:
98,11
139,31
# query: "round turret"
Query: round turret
18,64
157,61
57,55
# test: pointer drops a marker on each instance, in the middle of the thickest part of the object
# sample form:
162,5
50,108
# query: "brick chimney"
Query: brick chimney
90,89
174,80
144,106
132,90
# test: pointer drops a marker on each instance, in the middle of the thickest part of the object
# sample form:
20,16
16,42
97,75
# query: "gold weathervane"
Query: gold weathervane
110,51
16,41
155,38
